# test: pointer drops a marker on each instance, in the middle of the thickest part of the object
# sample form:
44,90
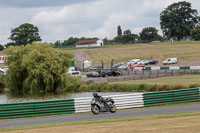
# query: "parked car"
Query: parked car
134,61
75,73
105,73
143,62
3,70
117,65
141,65
170,61
152,62
92,74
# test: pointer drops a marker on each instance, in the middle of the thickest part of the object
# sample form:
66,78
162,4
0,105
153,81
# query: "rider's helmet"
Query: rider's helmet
95,95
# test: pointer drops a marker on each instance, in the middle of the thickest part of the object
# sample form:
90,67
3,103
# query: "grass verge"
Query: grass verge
150,121
148,85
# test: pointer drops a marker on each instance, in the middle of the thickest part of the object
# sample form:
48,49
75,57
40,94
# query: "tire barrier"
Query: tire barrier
77,105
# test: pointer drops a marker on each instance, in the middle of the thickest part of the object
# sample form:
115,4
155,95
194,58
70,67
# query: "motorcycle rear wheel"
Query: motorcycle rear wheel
95,109
113,108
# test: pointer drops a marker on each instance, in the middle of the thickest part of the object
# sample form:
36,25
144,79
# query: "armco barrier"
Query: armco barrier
121,101
174,96
29,109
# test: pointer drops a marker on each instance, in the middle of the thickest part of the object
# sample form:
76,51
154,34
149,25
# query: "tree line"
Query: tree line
177,21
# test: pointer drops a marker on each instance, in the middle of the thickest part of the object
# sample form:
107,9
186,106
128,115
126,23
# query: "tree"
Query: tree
127,36
118,39
25,34
1,47
149,34
195,33
36,68
119,31
70,41
58,43
178,19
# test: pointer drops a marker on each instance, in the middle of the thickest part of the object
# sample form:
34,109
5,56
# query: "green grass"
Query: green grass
147,85
157,84
184,51
173,80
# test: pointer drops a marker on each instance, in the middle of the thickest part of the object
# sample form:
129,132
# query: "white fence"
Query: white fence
123,101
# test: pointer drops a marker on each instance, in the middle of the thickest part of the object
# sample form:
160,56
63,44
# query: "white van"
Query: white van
170,61
72,71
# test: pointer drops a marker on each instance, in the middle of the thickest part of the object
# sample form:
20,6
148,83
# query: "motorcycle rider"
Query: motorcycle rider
99,97
100,104
95,95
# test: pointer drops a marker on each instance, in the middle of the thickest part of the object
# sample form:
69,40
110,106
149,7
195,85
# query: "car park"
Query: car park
105,73
92,74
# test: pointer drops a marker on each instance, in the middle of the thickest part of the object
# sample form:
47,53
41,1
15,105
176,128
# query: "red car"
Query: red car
141,65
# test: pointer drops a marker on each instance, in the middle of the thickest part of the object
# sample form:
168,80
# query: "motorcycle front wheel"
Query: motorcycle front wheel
95,109
113,108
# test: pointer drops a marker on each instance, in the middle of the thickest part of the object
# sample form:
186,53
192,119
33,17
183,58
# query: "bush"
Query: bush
72,84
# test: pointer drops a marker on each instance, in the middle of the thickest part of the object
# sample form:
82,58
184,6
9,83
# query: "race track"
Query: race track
90,116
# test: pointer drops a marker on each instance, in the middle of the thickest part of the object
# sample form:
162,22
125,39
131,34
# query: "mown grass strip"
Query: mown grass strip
100,121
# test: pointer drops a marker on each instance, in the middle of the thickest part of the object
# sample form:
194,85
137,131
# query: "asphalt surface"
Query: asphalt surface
90,116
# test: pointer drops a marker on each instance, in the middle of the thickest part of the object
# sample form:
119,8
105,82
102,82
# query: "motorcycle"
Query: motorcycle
99,104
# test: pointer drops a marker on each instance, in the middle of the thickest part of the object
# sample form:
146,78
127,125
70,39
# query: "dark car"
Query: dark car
105,73
152,62
93,74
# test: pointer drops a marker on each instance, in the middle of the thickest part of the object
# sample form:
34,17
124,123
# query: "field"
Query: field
177,123
173,80
182,50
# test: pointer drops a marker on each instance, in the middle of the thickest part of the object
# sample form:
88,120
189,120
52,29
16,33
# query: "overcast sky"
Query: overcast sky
61,19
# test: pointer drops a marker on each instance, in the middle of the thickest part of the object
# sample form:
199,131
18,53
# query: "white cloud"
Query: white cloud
97,18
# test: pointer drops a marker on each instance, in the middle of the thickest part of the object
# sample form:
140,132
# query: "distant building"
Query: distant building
89,43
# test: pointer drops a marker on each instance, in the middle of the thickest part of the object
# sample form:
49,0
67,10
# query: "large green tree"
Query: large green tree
1,47
25,34
149,34
195,33
70,41
36,68
178,19
119,30
127,37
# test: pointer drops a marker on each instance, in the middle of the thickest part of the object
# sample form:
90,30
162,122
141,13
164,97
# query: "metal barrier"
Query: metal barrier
29,109
174,96
121,101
